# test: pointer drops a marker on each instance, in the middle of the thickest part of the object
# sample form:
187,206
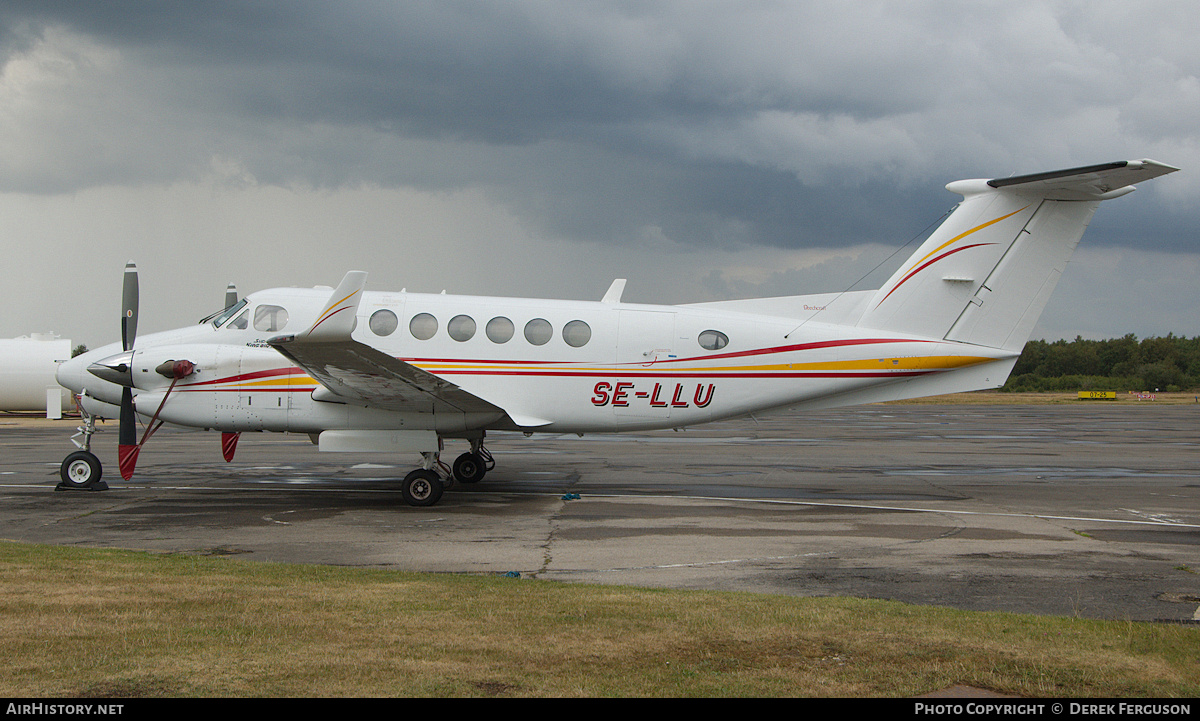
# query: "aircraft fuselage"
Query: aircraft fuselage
555,366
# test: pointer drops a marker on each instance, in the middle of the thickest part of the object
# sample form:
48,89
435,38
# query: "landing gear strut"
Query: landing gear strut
81,471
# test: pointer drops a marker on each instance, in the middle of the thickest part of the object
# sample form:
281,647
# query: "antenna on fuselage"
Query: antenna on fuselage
613,295
878,265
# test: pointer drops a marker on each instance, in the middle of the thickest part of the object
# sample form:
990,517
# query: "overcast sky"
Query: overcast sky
703,150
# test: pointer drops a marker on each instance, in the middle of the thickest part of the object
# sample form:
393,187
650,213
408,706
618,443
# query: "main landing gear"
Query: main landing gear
471,466
81,471
424,486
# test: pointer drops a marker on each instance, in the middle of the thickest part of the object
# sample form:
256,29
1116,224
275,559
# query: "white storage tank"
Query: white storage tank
27,366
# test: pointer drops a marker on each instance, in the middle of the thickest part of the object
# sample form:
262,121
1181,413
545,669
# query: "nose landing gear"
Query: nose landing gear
81,471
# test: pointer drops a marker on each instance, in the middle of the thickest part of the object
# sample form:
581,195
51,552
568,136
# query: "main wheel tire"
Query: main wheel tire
469,468
81,470
422,488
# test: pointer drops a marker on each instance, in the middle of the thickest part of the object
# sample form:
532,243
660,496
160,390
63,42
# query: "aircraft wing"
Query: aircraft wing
357,373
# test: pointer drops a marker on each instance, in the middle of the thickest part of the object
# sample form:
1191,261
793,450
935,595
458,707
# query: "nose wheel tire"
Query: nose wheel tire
81,471
422,488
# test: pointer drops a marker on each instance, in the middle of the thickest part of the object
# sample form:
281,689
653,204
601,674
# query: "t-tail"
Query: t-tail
986,273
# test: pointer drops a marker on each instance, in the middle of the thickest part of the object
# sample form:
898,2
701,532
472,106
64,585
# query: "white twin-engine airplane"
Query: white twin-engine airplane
401,372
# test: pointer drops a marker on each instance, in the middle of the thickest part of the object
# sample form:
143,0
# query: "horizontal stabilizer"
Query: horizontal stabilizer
1093,182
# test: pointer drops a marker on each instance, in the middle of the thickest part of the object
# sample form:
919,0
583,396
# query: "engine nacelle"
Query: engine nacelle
227,387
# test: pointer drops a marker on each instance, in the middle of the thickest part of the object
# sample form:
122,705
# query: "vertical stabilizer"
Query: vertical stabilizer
985,275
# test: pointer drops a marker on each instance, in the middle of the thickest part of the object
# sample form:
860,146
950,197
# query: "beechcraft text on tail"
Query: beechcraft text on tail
398,372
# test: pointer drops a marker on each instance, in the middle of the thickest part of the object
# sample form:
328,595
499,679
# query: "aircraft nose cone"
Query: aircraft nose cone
115,369
70,375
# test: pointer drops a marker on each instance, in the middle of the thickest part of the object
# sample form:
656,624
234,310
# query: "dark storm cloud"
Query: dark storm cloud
434,69
713,124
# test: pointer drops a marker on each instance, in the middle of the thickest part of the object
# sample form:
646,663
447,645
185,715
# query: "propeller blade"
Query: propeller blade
129,306
127,433
230,295
126,459
229,445
127,445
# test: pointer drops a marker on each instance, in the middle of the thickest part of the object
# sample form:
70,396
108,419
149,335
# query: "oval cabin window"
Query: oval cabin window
461,328
577,333
500,329
713,340
383,322
422,326
539,331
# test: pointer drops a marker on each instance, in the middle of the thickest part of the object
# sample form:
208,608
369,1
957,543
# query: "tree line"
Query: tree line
1168,363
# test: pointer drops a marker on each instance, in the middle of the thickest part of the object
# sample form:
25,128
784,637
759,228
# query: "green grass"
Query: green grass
78,622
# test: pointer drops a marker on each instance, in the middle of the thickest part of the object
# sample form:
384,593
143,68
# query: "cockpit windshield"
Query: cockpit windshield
221,316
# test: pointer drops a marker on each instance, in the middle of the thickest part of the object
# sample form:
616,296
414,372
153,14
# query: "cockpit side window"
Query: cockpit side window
218,319
240,322
269,318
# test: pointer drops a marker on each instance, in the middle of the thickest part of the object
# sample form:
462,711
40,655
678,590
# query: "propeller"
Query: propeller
127,445
118,369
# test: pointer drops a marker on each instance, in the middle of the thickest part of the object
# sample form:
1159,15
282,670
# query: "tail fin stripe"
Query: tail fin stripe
926,265
977,228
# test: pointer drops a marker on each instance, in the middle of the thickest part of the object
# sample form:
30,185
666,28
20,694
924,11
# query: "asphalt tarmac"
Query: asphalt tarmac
1087,510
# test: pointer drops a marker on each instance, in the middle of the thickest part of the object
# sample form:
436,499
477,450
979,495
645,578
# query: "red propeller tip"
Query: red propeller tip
127,456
